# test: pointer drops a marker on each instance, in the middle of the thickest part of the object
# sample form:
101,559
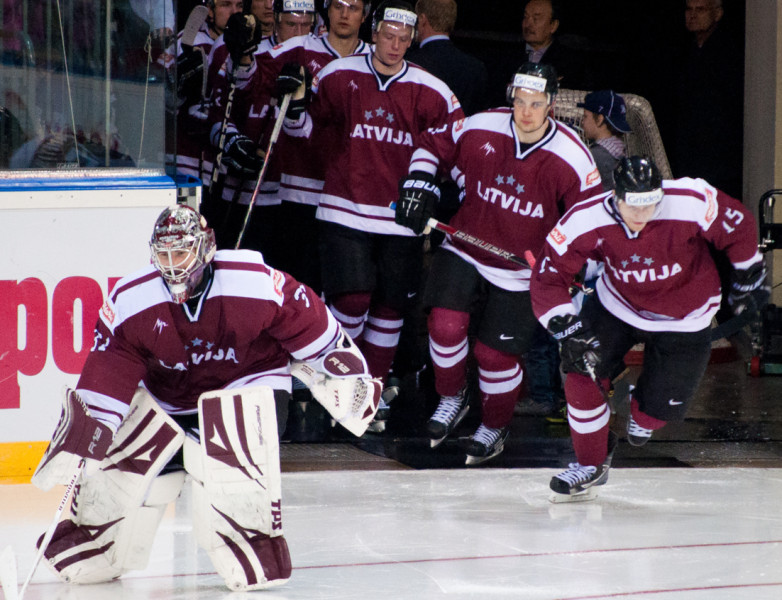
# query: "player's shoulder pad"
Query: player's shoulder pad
583,217
421,76
132,294
566,144
688,199
244,274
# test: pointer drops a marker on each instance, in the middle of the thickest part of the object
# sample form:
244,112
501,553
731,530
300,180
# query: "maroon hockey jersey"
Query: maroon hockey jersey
376,124
662,278
513,194
249,323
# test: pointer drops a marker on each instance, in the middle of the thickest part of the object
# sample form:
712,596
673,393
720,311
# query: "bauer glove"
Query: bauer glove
240,155
418,194
241,35
296,80
748,289
579,347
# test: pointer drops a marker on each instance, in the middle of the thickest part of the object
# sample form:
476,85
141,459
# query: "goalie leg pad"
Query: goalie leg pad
237,488
116,512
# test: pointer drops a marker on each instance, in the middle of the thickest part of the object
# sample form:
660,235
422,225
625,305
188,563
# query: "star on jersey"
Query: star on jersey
493,194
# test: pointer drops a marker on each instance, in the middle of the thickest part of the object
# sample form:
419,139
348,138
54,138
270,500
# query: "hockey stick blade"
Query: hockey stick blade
8,580
196,18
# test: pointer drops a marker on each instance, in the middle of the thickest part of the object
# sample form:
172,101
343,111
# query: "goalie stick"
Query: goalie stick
286,100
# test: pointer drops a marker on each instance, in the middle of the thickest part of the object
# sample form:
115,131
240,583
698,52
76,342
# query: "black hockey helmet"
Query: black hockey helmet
538,77
395,10
638,181
293,6
367,6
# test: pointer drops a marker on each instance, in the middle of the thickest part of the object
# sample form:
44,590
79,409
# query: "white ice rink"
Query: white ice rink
661,534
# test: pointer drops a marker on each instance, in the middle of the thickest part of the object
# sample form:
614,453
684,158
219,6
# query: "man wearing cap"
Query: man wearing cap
604,122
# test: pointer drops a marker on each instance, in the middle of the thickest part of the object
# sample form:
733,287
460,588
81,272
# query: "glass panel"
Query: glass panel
83,83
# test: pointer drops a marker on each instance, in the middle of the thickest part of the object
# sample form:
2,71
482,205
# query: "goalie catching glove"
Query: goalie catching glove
579,347
418,194
340,381
748,289
78,437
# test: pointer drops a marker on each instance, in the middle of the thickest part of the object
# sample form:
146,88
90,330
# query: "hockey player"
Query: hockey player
191,355
376,107
659,287
518,170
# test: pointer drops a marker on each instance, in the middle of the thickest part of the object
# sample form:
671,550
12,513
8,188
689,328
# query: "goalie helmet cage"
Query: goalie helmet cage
643,140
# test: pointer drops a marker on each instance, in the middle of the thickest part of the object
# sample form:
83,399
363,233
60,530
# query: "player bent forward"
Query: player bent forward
659,286
191,355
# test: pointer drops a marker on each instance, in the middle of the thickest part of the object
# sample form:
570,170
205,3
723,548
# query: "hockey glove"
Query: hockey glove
749,290
418,194
241,35
77,436
579,348
241,156
296,80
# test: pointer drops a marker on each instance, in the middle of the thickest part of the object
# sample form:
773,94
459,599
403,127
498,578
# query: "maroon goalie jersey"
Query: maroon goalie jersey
376,123
662,278
512,194
249,323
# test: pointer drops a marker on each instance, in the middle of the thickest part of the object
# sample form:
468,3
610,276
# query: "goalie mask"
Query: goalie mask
182,247
534,77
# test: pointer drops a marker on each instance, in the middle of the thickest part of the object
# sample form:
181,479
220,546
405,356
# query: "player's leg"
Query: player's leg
115,512
588,411
506,328
449,293
235,473
349,275
674,363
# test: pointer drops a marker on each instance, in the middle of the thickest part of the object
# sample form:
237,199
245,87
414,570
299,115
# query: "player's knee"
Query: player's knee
492,360
448,327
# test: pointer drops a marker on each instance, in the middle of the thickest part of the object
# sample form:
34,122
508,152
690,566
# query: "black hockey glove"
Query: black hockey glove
242,34
749,290
578,345
418,194
296,80
190,73
240,155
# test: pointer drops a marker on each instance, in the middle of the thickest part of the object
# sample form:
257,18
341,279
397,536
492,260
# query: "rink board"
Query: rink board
66,240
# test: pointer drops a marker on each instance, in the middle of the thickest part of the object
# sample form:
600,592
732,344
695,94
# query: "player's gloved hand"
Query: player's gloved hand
242,34
749,290
418,194
296,80
190,72
240,155
78,436
579,347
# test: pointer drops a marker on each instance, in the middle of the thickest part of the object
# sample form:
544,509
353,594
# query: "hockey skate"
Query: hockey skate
448,415
637,435
378,424
579,482
485,443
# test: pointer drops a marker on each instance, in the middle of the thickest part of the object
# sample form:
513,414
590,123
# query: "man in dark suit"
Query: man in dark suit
464,74
540,23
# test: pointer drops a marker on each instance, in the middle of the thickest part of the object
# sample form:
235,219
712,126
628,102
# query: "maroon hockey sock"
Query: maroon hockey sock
499,379
448,347
588,416
351,311
642,419
380,340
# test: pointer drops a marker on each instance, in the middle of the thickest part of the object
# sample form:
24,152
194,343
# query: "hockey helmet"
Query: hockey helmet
638,181
182,247
397,11
293,6
367,5
536,77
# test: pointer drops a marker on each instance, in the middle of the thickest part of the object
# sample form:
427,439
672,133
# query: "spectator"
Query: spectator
604,123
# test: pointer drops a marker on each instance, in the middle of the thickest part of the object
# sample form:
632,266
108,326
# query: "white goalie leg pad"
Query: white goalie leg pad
235,472
116,511
340,381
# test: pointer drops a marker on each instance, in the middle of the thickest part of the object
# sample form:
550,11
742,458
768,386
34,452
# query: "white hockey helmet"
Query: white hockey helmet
396,11
182,246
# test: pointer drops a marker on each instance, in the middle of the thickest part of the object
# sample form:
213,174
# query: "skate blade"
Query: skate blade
434,443
476,460
587,495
